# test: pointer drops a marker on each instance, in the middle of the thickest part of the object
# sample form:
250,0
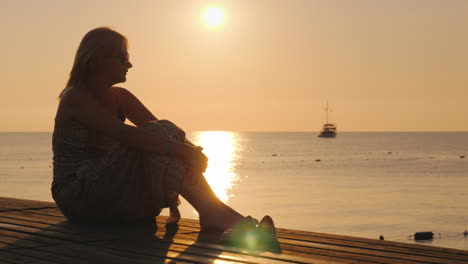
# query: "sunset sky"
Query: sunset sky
271,65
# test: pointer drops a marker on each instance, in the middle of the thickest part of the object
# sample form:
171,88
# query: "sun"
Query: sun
214,16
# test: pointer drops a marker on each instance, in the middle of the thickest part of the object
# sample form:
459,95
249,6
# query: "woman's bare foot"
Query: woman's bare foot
221,220
231,211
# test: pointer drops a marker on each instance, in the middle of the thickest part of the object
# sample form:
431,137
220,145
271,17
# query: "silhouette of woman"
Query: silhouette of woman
106,170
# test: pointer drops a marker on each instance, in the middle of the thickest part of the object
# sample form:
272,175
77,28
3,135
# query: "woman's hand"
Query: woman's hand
197,160
193,157
197,163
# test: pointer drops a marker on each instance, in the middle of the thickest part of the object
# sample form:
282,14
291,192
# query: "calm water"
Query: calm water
359,184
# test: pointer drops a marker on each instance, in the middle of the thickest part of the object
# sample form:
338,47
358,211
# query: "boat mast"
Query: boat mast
327,111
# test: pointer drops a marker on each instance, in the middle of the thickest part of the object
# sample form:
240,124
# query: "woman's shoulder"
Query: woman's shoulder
124,96
72,94
73,102
64,111
121,91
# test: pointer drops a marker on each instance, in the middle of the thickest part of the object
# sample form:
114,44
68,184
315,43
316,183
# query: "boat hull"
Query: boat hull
327,135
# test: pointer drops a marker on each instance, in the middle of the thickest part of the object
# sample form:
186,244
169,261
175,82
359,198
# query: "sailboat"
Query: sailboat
328,129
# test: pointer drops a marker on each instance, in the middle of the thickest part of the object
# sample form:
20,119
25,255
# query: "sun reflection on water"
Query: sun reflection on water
221,148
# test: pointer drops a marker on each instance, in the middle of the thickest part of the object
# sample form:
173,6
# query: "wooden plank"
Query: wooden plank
39,213
186,251
309,250
10,257
39,230
284,256
191,236
292,240
45,230
390,252
84,249
2,245
117,230
48,211
19,205
307,235
80,253
179,238
68,237
25,201
20,215
373,254
9,207
422,250
89,228
14,204
385,246
34,236
84,232
10,241
69,255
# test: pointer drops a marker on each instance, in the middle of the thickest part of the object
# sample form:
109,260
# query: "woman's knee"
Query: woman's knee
165,128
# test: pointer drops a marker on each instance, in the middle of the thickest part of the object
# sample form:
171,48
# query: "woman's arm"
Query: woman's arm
135,110
132,108
84,108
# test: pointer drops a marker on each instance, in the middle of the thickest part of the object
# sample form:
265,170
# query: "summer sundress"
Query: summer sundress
120,185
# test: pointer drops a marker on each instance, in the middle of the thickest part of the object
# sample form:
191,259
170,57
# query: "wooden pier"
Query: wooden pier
36,232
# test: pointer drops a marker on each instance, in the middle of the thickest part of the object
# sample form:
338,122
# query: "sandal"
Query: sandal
241,235
266,236
266,228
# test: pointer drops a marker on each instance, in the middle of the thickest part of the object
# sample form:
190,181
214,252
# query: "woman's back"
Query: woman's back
72,143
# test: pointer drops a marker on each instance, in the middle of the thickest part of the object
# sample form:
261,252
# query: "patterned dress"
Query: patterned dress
126,184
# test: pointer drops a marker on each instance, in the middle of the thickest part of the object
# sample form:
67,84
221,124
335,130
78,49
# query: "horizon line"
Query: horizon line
291,131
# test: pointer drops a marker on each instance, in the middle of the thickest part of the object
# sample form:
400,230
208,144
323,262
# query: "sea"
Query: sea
361,184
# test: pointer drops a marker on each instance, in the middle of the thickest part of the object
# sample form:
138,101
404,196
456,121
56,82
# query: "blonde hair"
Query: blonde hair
100,41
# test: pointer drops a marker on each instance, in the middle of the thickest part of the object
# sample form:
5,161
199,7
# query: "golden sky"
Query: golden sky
394,65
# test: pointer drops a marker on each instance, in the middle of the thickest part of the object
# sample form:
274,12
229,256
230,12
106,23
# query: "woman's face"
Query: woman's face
115,67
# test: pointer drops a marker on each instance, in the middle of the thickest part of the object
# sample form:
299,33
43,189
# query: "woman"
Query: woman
106,170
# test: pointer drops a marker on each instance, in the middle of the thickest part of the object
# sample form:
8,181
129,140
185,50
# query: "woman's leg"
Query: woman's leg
207,187
214,214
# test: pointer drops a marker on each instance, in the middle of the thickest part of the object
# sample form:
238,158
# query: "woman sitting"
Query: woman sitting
106,170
